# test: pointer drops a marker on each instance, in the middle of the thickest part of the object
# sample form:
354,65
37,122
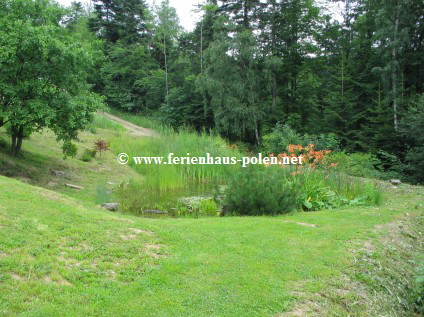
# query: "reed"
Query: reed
184,143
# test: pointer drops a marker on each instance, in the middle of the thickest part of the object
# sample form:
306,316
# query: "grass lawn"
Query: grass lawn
60,255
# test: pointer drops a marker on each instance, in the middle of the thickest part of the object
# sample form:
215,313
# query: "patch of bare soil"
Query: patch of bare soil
18,277
303,224
154,250
122,219
139,231
61,282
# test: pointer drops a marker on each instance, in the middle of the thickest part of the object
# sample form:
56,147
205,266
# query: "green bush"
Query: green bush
259,191
390,166
282,135
69,149
322,141
314,192
88,155
355,164
277,141
415,159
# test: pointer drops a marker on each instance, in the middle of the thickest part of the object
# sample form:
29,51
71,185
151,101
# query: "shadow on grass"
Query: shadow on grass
33,167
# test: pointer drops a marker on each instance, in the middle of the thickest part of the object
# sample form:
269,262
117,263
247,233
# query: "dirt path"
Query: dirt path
131,128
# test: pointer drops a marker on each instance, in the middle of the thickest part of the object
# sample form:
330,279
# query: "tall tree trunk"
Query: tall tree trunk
19,140
394,71
273,39
246,14
201,48
13,145
258,141
166,70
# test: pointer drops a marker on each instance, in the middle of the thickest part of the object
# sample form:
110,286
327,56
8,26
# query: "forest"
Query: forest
251,68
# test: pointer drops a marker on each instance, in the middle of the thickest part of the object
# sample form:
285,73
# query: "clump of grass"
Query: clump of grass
88,155
356,190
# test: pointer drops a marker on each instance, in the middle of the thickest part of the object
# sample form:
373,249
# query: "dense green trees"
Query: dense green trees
44,70
249,65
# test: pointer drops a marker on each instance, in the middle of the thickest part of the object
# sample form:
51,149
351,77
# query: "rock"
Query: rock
395,182
58,173
74,186
156,212
111,206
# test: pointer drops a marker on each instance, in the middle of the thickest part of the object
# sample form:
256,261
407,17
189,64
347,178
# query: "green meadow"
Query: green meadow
60,254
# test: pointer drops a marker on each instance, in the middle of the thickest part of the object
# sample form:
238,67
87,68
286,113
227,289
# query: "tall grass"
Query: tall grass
354,189
184,143
104,123
330,189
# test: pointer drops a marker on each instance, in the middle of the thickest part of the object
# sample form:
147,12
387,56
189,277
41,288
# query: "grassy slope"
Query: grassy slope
60,255
42,155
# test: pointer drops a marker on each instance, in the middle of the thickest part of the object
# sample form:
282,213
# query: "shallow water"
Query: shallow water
136,198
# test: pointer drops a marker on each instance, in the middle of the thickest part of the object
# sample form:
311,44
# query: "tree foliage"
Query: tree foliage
44,70
246,69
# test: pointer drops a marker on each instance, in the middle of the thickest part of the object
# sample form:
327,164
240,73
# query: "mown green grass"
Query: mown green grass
60,255
60,258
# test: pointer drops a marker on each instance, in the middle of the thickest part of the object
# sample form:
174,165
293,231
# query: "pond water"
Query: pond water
144,201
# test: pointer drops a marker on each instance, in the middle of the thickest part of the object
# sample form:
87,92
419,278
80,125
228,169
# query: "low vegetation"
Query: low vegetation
59,249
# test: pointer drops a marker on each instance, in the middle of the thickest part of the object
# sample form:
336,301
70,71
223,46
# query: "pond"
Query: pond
194,199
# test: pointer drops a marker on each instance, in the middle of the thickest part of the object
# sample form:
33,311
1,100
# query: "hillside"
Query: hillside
62,255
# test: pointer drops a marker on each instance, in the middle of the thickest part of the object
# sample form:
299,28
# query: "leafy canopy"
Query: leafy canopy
43,82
